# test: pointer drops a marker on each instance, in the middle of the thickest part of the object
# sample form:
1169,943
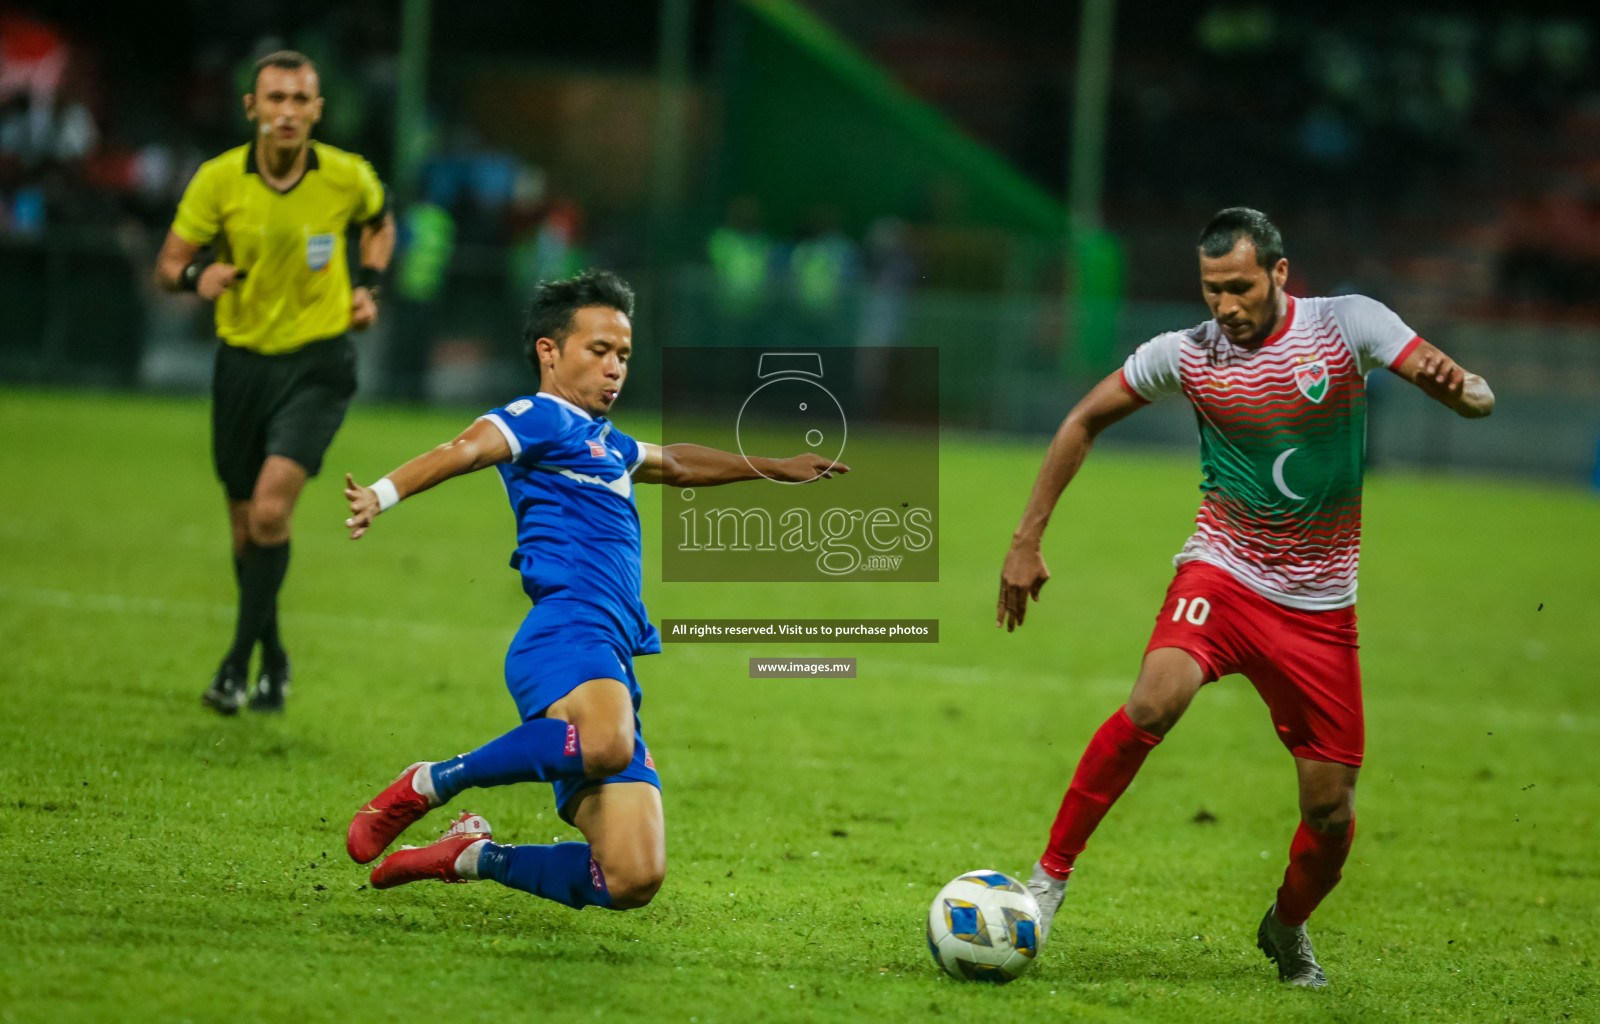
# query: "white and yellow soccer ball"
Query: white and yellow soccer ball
984,926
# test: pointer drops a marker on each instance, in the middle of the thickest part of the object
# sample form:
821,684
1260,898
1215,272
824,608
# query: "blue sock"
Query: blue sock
564,872
543,750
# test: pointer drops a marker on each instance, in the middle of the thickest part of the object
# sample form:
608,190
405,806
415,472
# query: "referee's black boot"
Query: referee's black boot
272,686
226,694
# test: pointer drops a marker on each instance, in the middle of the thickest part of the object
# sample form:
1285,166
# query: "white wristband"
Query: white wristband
388,497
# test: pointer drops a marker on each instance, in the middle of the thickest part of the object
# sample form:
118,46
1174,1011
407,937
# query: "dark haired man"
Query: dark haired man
1266,587
569,474
275,212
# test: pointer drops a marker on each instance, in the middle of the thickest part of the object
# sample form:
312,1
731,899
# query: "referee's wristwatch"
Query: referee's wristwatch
370,278
189,277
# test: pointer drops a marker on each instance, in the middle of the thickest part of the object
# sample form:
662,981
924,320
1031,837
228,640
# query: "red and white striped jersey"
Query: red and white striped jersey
1282,441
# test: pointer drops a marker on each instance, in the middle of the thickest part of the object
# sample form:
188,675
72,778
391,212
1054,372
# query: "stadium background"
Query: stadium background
826,173
874,174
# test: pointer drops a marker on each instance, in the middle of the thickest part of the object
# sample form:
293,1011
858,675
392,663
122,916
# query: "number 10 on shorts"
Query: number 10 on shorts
1199,610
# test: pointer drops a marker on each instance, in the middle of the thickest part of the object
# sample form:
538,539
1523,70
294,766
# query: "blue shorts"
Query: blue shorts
552,655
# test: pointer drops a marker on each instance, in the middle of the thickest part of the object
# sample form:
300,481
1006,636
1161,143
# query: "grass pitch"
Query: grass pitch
161,863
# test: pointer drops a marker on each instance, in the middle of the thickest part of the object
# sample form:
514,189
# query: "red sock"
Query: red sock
1107,766
1314,862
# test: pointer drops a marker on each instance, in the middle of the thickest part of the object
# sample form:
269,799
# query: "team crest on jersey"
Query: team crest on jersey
1312,379
319,251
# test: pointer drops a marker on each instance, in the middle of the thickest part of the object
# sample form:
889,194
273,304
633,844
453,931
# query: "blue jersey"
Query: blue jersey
570,481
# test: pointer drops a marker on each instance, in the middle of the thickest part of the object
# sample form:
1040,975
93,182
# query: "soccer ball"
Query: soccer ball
984,926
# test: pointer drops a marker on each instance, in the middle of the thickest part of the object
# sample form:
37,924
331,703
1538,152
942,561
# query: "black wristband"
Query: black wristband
370,278
189,277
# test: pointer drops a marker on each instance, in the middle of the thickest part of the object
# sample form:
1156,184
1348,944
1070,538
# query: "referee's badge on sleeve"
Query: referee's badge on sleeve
319,251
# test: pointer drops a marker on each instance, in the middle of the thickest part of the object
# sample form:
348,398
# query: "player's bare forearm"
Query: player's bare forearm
174,256
1447,382
1024,573
694,465
1062,461
432,468
377,245
478,447
377,242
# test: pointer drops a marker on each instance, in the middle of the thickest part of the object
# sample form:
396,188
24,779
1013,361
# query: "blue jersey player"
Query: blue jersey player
569,474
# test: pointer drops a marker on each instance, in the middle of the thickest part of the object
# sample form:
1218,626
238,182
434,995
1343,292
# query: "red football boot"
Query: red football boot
436,860
385,816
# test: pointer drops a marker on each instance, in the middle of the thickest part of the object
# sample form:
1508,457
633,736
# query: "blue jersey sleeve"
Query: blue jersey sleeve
531,428
630,450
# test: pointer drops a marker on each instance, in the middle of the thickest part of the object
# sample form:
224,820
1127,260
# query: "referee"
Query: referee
274,214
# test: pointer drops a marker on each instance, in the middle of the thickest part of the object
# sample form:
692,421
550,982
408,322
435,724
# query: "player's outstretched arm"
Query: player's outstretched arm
1024,573
693,465
1445,381
479,446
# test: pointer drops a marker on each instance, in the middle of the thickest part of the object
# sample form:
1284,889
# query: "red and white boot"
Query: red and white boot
386,815
438,860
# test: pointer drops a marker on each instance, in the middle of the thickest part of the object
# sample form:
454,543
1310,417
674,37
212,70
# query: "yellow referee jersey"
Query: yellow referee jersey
292,243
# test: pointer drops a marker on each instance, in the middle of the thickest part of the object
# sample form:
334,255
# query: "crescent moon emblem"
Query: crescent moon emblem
1277,474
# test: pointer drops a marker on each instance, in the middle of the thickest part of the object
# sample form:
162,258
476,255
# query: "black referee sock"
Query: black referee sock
273,656
261,571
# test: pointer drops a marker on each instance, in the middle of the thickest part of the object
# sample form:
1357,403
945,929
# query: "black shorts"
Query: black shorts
289,405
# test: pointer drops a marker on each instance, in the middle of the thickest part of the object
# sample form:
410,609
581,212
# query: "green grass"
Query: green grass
161,863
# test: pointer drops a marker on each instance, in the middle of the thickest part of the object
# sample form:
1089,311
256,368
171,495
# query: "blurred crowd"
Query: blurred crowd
1363,108
53,153
80,146
821,286
1467,128
1490,118
1549,246
86,140
1487,120
1462,140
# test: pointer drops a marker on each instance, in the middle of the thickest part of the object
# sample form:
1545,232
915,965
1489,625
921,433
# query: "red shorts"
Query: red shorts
1304,664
